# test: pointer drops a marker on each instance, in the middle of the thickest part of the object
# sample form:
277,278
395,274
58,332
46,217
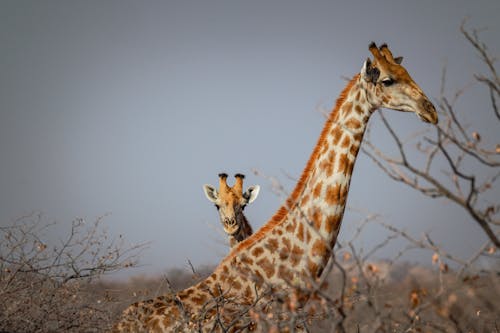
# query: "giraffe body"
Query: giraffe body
293,248
230,203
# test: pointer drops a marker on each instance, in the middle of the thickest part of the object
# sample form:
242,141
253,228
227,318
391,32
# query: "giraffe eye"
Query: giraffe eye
388,82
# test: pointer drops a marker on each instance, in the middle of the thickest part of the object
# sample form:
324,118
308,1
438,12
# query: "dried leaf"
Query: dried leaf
372,268
435,258
476,136
414,299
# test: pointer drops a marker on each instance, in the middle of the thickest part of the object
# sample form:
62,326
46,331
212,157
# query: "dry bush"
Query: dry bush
47,287
121,294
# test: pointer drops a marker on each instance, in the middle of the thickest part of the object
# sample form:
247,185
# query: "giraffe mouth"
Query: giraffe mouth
428,113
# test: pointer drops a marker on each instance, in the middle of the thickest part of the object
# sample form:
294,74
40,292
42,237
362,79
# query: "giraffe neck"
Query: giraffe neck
322,194
244,230
309,221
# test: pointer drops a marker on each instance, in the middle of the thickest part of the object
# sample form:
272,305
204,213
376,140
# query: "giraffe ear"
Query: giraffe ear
369,72
251,193
398,60
210,192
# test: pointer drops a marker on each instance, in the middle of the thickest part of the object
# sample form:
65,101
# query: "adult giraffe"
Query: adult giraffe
295,245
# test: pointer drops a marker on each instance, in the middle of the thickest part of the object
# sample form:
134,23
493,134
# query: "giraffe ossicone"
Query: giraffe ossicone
230,203
294,246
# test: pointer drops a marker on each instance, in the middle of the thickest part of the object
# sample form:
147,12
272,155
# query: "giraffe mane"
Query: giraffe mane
281,213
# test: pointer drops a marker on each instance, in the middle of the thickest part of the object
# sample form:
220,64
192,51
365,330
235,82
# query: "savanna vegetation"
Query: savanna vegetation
48,286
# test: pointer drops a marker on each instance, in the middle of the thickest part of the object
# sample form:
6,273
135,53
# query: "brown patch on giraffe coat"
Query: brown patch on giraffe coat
333,194
331,163
216,292
347,140
358,137
236,284
247,260
317,218
354,149
346,108
266,266
300,232
331,156
257,278
290,227
358,109
324,147
285,273
243,270
199,299
257,251
353,123
319,248
312,267
343,164
248,294
317,190
224,274
296,255
283,254
272,244
327,167
336,135
332,223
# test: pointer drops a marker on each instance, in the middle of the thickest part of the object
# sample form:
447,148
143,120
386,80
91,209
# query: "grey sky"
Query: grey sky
128,107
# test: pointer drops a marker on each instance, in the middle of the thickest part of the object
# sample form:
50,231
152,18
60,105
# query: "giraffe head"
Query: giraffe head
392,87
230,201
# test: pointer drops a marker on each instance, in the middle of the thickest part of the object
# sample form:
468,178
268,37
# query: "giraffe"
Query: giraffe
230,202
294,246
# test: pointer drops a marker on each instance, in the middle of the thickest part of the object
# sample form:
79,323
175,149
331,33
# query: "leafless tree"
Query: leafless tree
46,286
462,162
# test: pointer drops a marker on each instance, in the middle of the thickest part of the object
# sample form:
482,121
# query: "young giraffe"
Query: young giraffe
230,202
295,245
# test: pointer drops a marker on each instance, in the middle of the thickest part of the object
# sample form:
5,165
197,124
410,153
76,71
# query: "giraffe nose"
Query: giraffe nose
428,113
230,226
